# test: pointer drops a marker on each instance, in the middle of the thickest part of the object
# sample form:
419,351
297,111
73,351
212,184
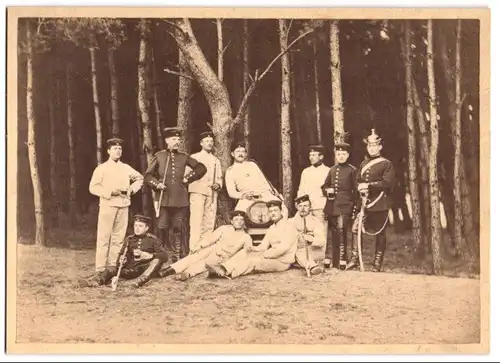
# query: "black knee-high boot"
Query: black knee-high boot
380,245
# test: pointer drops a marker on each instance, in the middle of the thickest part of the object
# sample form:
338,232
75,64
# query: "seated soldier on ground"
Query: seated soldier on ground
311,239
275,253
142,255
216,248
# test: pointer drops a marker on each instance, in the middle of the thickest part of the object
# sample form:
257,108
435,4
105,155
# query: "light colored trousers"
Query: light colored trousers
111,228
194,264
319,253
301,256
244,263
203,209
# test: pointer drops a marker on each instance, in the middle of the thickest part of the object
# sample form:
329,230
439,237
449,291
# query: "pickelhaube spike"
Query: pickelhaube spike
373,138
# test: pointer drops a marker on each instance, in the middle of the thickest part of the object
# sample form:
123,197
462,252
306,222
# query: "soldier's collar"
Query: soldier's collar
175,151
319,163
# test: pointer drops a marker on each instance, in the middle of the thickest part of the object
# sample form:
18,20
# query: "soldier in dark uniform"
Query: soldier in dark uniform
166,172
340,208
142,255
375,182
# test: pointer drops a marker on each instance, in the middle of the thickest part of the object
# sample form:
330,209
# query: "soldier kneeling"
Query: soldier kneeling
141,257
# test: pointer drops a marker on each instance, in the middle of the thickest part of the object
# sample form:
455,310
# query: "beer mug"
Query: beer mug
137,253
330,194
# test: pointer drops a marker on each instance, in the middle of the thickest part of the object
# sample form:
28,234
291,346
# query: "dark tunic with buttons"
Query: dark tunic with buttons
147,243
342,178
176,193
379,173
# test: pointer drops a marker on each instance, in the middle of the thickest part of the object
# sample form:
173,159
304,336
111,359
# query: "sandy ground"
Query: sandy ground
336,307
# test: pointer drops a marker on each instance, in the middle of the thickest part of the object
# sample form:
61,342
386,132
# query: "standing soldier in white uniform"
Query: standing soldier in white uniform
246,182
113,182
203,192
311,181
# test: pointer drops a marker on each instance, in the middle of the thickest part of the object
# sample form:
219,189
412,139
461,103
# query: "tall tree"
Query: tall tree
158,123
216,92
412,143
316,91
85,32
53,120
72,205
95,96
220,50
286,146
454,111
437,260
246,84
115,113
424,165
142,91
338,110
31,143
186,92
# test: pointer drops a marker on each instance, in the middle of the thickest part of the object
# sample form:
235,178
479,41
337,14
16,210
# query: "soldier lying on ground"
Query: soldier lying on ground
276,252
142,255
311,237
216,248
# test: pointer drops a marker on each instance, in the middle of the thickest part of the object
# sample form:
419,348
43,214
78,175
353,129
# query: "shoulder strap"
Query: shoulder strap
372,162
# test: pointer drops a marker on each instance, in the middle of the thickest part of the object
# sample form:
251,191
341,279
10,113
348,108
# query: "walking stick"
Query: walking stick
157,203
308,265
360,232
114,280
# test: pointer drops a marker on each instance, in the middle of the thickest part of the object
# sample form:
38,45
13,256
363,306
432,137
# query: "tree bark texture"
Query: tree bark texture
437,260
71,146
412,144
338,110
246,84
186,90
286,147
97,113
31,143
316,94
142,93
115,111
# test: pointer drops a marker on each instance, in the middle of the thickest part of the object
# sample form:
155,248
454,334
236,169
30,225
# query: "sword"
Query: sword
360,232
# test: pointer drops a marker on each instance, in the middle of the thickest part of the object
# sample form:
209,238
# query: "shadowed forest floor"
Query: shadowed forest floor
400,305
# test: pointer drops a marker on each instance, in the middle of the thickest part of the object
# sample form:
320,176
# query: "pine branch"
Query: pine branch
178,73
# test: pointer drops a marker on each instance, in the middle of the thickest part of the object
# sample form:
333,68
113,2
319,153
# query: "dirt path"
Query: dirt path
351,307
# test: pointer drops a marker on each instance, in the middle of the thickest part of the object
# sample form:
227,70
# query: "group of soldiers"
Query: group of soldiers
186,189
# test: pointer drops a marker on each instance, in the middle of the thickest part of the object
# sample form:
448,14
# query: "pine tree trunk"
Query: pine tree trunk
286,152
158,124
433,161
299,139
316,94
220,51
186,89
72,207
142,93
412,144
424,166
53,106
470,234
97,113
35,177
246,84
115,113
338,110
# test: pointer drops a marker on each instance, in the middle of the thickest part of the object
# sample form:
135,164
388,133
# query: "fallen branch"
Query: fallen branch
258,78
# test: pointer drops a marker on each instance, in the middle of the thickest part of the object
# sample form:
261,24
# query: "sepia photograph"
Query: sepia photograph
248,180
